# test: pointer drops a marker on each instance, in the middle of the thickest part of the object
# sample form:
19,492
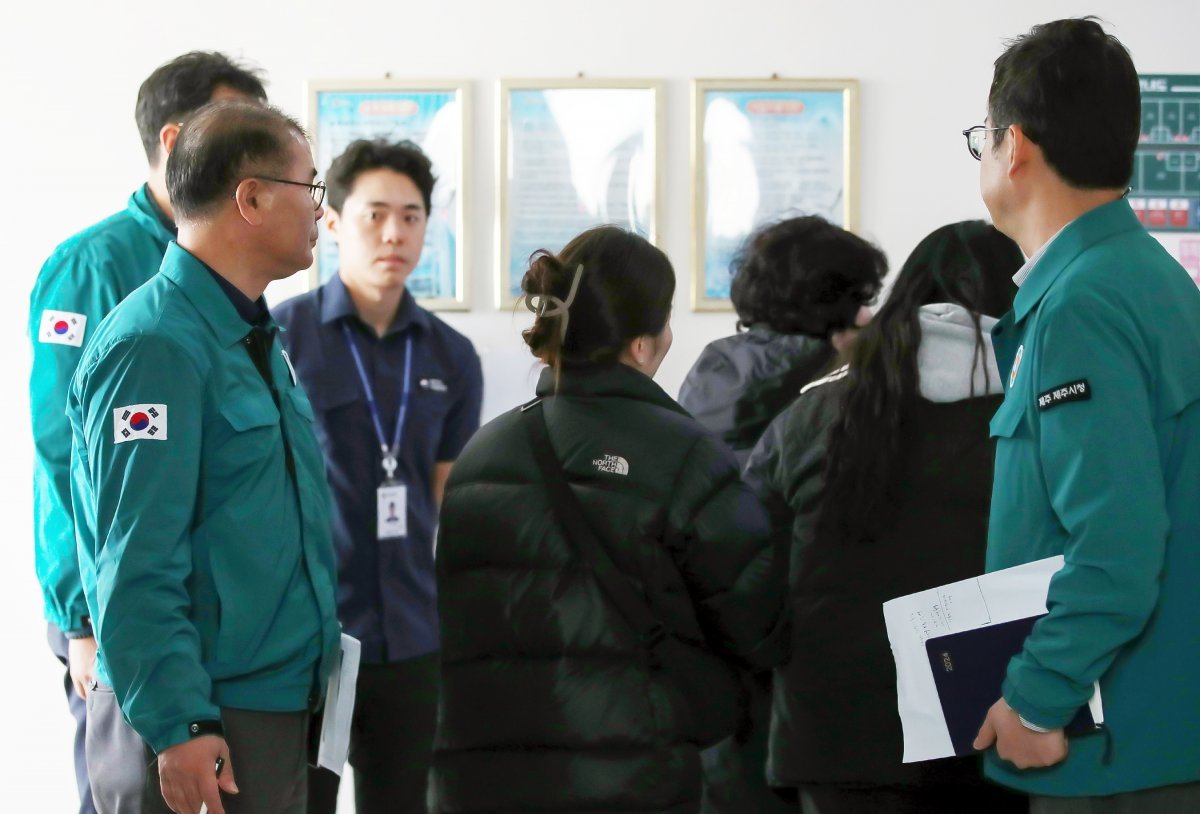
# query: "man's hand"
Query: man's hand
188,777
1022,747
81,662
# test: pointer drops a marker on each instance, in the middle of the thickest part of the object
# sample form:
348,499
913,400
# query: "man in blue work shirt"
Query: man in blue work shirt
1098,450
198,485
81,282
397,394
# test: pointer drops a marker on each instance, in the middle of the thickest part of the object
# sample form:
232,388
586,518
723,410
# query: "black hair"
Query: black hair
184,85
403,157
625,291
969,264
804,276
1074,91
221,144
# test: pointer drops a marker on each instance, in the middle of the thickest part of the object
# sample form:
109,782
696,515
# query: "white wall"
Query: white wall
72,70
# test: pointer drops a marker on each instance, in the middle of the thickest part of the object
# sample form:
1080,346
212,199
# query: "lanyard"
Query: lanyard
389,455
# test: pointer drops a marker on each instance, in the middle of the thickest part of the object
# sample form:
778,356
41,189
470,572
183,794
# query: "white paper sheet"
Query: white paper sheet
339,708
1001,596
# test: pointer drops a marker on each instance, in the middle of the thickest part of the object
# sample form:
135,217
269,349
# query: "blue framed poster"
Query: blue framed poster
433,115
573,154
763,150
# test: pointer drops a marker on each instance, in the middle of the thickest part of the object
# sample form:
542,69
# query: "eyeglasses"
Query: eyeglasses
975,136
317,190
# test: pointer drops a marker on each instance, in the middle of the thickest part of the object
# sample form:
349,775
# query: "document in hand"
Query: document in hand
339,707
952,645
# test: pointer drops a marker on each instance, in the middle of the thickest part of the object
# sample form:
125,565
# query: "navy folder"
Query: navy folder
968,669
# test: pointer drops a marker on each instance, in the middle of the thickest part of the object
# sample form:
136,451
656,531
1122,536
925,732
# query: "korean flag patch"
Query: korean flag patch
140,421
62,328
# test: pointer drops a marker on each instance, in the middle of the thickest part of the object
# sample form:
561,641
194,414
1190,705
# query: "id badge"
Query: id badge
392,510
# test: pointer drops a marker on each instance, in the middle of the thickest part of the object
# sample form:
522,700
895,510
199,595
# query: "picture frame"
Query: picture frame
573,153
434,114
763,150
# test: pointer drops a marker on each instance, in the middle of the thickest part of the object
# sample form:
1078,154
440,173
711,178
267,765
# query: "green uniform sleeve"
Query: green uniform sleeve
143,495
76,283
1100,461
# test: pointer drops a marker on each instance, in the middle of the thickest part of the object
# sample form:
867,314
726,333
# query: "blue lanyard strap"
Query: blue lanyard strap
389,454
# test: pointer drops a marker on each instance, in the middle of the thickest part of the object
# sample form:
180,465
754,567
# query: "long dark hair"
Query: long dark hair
624,291
969,264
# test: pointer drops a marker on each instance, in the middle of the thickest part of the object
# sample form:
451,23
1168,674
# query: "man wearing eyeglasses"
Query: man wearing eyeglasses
78,285
199,485
397,394
1098,440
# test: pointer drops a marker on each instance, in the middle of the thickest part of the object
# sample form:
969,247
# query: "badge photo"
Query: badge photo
62,328
140,421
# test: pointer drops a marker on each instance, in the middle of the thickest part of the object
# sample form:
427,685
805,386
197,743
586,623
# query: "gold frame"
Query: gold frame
849,90
462,88
504,89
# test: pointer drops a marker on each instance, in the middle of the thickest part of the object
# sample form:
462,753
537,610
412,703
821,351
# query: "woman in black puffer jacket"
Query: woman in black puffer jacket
549,701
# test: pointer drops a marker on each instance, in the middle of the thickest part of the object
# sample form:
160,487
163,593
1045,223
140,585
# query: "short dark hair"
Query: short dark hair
1075,93
363,155
185,84
804,276
221,144
625,291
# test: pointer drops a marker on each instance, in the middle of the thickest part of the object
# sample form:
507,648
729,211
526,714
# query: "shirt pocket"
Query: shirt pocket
250,441
1009,420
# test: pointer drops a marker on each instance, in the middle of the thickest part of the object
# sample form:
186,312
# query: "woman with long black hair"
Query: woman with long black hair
882,471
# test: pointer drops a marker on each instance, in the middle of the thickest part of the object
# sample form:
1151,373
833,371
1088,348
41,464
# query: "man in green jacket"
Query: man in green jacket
79,284
198,484
1098,451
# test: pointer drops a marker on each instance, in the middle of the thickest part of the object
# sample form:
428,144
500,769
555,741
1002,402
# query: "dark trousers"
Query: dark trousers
391,740
58,645
983,798
269,755
1177,799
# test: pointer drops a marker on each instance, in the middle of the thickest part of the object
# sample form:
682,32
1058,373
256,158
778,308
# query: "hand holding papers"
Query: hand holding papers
339,708
1007,603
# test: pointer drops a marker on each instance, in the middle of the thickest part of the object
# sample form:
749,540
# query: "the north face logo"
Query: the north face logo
612,464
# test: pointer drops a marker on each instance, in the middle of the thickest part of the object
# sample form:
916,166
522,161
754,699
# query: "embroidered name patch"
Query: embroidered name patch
1074,391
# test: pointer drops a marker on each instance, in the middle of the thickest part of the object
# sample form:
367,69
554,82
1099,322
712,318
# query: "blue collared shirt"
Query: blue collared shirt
387,596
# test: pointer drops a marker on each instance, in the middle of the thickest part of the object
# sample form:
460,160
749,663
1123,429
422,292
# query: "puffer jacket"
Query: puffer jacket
548,702
834,718
741,382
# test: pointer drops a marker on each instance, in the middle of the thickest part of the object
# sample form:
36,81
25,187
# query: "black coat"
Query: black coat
547,702
834,717
741,382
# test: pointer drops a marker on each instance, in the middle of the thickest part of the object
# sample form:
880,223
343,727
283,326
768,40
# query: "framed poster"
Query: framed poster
573,154
434,116
763,150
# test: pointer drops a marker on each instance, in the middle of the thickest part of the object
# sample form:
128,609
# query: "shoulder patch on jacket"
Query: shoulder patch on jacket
1071,391
837,375
62,328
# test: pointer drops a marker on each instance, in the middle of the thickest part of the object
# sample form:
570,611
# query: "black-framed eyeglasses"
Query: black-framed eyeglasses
975,136
317,190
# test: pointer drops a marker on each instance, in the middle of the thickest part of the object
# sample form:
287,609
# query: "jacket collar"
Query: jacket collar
336,304
612,379
145,212
1085,231
204,293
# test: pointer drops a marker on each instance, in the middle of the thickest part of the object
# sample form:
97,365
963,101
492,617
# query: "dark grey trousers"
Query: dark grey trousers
116,757
1162,800
58,645
269,754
